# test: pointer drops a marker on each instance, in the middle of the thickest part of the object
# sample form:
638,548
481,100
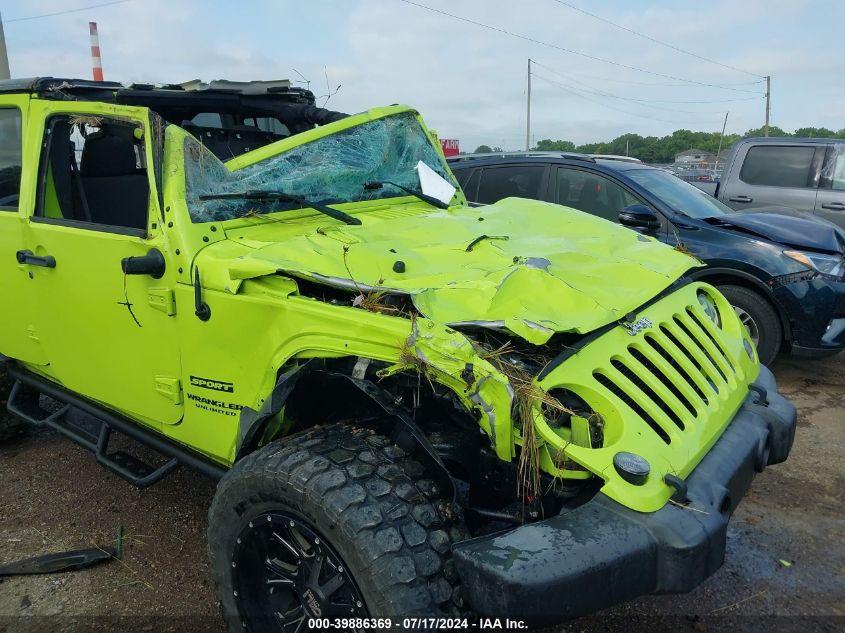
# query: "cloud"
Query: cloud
470,82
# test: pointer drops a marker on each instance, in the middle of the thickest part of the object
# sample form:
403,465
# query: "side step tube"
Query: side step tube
94,433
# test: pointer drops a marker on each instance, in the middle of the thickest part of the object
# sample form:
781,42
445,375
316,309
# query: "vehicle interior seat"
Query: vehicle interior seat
226,143
590,198
116,190
563,189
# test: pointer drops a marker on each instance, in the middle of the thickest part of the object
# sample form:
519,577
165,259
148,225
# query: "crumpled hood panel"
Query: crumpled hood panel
791,227
541,269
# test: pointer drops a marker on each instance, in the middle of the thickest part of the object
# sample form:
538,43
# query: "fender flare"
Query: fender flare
406,433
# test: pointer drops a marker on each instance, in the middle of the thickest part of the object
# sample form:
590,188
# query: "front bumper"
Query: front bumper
603,553
816,310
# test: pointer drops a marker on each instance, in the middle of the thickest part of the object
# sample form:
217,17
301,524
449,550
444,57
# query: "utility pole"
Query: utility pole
4,57
768,103
724,125
528,112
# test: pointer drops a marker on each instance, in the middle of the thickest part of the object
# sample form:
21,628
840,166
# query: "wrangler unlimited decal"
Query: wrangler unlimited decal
216,406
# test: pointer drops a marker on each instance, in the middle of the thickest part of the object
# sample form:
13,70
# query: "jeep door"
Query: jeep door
19,338
108,336
830,201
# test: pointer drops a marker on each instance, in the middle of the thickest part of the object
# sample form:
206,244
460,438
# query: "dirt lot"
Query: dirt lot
785,566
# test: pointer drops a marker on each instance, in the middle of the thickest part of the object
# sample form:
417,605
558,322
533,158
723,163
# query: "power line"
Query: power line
647,101
600,93
655,40
664,84
604,105
568,50
50,15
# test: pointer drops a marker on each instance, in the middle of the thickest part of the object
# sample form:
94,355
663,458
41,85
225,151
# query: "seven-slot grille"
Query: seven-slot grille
672,373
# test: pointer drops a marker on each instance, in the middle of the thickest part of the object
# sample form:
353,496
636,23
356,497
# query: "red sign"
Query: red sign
451,146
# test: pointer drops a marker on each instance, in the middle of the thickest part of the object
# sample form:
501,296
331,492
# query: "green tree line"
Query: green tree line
653,149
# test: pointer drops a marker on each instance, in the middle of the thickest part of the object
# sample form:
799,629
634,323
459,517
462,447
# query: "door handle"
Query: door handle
31,259
741,199
834,206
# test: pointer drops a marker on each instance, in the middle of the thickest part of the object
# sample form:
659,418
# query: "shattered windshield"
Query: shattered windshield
329,170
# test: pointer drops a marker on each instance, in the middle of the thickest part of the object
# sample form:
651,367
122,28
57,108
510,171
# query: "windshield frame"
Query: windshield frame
684,188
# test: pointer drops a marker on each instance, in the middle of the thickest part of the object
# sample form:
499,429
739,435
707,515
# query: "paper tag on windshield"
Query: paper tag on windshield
434,185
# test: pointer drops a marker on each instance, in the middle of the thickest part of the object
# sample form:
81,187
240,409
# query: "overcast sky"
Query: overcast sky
469,82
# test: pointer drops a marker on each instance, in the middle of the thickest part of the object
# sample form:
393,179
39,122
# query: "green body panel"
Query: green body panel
17,326
720,369
558,271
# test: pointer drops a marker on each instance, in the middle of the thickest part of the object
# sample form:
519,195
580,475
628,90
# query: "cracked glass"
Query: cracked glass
328,170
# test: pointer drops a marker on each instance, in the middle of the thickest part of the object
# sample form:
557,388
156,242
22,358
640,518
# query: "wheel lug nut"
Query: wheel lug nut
358,604
234,564
236,593
340,569
250,524
316,541
269,519
292,523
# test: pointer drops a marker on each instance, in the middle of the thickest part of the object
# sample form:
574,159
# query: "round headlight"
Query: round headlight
709,307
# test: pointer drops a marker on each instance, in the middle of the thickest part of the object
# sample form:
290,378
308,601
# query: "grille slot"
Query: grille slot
717,343
631,375
700,346
666,380
617,391
660,349
690,356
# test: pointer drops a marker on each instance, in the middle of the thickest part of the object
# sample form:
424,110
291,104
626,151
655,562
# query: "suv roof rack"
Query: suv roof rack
521,154
619,157
87,89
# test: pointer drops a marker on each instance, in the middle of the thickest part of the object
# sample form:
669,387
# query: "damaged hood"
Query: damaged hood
789,227
530,267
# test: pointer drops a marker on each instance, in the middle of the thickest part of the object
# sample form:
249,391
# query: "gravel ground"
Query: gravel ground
785,567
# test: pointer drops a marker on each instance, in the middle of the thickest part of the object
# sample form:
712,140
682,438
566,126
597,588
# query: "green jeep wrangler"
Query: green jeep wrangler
415,409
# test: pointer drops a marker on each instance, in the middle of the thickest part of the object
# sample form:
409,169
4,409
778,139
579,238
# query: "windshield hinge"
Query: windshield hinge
170,388
163,300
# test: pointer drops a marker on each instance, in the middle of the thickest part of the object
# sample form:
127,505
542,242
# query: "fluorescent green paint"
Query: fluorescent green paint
557,271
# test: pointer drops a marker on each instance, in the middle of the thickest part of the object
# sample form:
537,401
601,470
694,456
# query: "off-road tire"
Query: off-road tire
765,318
367,499
10,426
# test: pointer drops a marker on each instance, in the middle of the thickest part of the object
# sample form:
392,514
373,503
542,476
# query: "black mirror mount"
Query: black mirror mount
639,216
152,264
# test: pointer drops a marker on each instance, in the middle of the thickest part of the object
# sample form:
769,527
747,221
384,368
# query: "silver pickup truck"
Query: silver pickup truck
807,174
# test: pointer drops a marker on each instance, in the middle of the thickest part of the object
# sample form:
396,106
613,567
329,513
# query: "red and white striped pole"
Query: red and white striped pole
96,61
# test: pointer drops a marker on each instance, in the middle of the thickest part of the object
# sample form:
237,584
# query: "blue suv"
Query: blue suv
784,274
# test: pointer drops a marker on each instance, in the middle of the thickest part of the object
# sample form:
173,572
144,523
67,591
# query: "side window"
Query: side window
268,124
462,176
778,166
207,119
94,171
10,158
522,181
591,193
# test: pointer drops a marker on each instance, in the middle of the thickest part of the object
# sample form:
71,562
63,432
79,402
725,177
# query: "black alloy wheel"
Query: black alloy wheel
281,566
